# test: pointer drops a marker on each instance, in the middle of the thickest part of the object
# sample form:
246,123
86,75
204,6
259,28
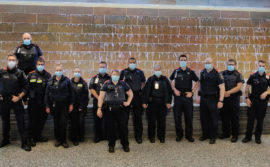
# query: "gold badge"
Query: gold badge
156,85
79,85
33,80
96,80
39,81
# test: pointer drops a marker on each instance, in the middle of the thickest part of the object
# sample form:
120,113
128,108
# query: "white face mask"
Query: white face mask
11,64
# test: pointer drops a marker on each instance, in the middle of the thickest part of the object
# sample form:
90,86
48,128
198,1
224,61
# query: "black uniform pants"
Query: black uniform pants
209,116
77,124
18,109
116,116
256,111
137,111
99,127
156,114
60,115
230,115
184,105
37,117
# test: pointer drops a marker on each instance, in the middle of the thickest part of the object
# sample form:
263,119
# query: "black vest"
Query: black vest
115,94
26,57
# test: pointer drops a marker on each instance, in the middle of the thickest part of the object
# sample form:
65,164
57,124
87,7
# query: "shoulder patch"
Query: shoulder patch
31,72
106,81
267,76
5,68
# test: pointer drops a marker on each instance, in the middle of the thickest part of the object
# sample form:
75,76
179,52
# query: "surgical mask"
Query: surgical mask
183,64
115,78
230,67
11,64
158,73
261,69
27,42
77,74
208,66
40,68
58,73
132,66
102,70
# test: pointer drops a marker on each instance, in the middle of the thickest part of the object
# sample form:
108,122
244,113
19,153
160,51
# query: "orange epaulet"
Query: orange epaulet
31,72
94,75
106,81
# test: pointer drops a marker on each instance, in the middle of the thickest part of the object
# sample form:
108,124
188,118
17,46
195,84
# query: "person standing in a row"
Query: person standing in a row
81,96
59,100
95,85
135,78
112,103
157,97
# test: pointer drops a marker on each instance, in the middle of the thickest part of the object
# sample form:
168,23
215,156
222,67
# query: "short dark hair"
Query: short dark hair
40,59
232,60
12,55
183,55
103,62
262,61
115,70
132,58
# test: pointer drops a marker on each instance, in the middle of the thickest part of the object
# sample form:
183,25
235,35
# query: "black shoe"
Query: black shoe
246,139
178,139
190,139
139,140
111,149
4,143
212,141
162,140
202,138
126,148
32,142
57,144
234,139
42,139
75,143
224,136
65,145
152,140
258,141
26,147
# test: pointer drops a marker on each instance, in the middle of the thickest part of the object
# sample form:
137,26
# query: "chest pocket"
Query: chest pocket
230,81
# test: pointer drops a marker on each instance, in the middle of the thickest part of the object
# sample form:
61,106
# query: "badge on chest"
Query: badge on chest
156,85
96,80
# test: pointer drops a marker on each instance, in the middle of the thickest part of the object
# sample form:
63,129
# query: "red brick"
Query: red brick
130,20
6,27
98,29
244,23
82,19
75,10
46,37
110,11
53,18
26,27
65,28
11,8
147,20
173,12
204,13
142,12
18,18
76,38
235,14
41,9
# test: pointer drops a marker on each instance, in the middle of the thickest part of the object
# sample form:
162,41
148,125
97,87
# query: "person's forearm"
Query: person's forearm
236,89
21,95
197,84
247,91
94,93
221,93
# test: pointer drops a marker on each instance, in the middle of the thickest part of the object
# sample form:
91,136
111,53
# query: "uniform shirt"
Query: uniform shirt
231,79
158,88
134,78
38,83
59,91
259,84
80,93
27,56
209,82
115,94
97,81
12,82
183,79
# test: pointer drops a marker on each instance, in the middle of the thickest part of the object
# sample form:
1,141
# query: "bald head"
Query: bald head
157,67
26,36
208,60
208,63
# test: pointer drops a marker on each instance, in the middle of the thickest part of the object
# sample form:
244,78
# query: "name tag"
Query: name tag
79,85
39,81
156,85
33,80
96,80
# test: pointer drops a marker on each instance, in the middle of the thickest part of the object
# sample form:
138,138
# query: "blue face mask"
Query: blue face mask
115,78
58,73
158,73
183,64
40,68
77,74
230,67
102,70
261,69
132,66
27,42
208,66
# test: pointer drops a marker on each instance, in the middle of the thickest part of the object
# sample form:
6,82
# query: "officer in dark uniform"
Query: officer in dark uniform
157,97
212,93
112,102
38,80
28,54
135,78
231,106
257,100
183,101
81,95
95,85
14,87
59,100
